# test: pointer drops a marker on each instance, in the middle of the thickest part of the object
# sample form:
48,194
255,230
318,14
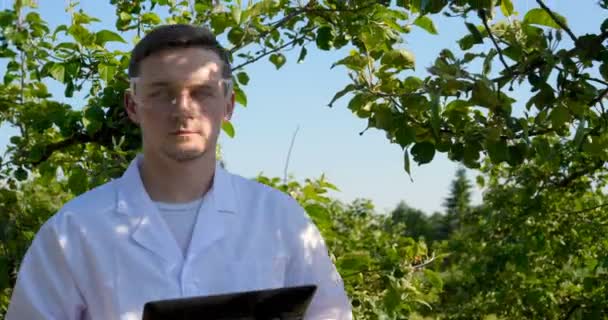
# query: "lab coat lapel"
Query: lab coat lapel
149,229
215,214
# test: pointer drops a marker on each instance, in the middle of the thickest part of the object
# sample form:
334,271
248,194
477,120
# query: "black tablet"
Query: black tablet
289,303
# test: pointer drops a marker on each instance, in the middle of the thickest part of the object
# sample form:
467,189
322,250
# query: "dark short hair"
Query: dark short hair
177,36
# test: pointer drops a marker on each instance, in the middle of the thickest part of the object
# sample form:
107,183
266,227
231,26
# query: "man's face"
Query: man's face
180,101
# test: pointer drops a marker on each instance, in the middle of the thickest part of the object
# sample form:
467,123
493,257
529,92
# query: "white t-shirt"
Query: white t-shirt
181,219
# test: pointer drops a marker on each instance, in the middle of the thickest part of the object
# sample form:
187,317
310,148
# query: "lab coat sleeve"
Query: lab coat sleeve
45,288
310,264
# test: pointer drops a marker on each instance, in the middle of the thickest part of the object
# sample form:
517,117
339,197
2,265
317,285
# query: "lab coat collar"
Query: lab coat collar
151,231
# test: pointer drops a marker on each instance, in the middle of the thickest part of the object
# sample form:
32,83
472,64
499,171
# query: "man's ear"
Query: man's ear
131,106
230,107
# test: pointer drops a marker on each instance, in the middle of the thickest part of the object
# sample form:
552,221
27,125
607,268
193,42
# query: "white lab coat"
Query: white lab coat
107,252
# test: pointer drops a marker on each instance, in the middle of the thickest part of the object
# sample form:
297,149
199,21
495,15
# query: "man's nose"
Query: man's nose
183,103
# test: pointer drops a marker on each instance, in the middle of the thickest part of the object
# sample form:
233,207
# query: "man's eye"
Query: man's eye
158,93
203,92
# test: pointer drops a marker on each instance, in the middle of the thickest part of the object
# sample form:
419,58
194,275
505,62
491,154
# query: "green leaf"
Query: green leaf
360,105
559,116
405,136
487,62
107,72
468,57
594,146
480,4
392,300
517,154
236,35
69,89
373,37
70,46
580,133
484,96
20,174
125,16
435,117
467,42
477,36
481,182
228,128
324,38
4,273
36,153
506,6
426,23
604,70
412,84
544,98
341,93
406,161
93,119
541,17
353,262
383,117
150,18
240,96
354,62
236,10
318,213
470,154
78,181
243,78
303,53
33,18
423,152
58,72
104,36
400,58
278,59
80,34
433,278
82,18
498,151
433,6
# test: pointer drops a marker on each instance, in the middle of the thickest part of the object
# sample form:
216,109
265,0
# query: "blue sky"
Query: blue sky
328,141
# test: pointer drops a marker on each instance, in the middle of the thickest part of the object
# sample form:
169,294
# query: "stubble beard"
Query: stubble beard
185,155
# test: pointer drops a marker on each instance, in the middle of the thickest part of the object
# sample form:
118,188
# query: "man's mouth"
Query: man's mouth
183,132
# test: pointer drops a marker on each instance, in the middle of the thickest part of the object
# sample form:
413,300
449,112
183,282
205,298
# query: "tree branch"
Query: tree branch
265,53
308,8
586,209
424,264
559,22
577,174
599,98
570,312
391,98
361,272
536,133
586,77
484,18
277,24
51,148
596,80
343,9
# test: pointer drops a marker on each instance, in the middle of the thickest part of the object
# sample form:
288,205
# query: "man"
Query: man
175,224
